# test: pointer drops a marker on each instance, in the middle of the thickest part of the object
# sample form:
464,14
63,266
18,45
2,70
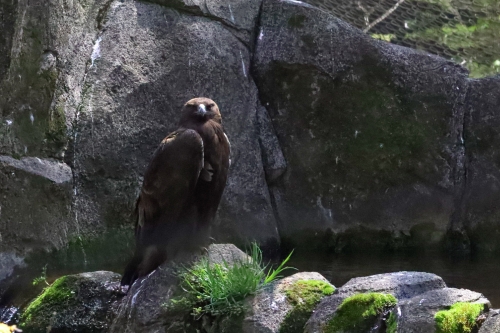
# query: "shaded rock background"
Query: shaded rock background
336,138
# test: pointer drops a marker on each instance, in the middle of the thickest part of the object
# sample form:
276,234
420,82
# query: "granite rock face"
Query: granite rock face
35,207
482,191
103,84
338,140
151,60
371,132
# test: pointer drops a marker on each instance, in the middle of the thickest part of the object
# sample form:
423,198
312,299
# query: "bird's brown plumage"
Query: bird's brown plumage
182,188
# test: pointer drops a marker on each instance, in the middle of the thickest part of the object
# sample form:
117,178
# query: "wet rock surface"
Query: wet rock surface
492,323
74,303
402,285
268,309
420,296
417,313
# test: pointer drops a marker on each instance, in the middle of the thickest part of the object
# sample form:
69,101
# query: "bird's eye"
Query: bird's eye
209,106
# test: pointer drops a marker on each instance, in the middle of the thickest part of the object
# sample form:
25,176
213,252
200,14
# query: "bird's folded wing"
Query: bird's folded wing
171,177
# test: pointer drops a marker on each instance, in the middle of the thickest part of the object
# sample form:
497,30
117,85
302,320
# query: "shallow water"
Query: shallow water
477,274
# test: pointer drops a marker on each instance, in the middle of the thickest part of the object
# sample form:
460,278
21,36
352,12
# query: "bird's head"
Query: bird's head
200,110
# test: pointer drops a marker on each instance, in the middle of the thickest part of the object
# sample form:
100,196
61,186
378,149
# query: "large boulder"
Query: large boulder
74,303
482,192
371,131
285,305
402,285
35,208
419,297
148,61
144,309
42,44
416,315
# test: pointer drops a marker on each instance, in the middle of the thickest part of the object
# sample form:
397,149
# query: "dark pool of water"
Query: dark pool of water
477,274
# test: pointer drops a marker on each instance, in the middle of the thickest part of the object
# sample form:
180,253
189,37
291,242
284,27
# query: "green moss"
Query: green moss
303,295
460,318
359,313
392,323
56,296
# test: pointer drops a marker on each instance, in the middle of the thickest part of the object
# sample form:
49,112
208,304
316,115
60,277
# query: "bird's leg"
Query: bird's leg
153,257
130,274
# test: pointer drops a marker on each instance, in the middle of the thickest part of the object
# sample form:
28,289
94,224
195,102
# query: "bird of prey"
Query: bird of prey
182,188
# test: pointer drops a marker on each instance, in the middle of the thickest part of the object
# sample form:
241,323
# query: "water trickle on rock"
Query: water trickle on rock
243,65
231,12
96,51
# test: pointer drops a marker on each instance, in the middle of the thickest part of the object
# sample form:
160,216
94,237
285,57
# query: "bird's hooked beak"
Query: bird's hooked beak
202,110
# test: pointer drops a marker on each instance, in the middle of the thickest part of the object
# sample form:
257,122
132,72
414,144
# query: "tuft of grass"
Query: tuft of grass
219,289
42,278
460,318
359,312
304,295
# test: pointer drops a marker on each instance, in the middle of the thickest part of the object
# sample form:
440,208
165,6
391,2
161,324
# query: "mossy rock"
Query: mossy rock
460,318
73,303
57,296
304,295
360,312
